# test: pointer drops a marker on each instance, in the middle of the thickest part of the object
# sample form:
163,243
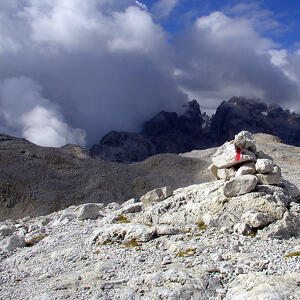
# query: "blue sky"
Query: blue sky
73,70
283,16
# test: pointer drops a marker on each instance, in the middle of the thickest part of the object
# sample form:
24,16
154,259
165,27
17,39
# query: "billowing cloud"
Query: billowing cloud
72,66
25,112
226,57
100,62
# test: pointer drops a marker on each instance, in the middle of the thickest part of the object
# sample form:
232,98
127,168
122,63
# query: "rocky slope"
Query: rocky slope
169,133
195,242
39,180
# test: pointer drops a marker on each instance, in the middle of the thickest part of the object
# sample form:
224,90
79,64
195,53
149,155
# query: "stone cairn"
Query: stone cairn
243,167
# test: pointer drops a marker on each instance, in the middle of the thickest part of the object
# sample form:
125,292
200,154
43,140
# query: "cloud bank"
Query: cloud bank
72,70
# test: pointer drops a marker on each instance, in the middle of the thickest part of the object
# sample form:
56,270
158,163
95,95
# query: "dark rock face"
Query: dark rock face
124,147
243,114
165,133
169,133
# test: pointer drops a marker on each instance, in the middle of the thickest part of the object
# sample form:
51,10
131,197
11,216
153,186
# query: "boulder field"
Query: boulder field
235,238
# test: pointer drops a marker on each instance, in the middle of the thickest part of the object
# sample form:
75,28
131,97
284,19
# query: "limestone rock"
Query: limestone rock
67,216
123,233
226,156
263,166
246,168
276,170
130,201
245,139
226,173
258,286
242,228
6,230
292,189
240,185
131,208
88,211
270,178
256,219
156,195
166,230
15,241
287,227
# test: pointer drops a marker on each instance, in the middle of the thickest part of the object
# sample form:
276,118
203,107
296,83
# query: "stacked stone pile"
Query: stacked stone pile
243,167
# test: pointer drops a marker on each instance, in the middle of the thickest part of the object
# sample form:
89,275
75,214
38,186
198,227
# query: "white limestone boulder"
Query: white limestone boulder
245,139
256,219
226,173
240,185
245,169
242,228
287,227
15,241
227,156
156,195
6,230
259,286
291,188
123,233
88,211
263,166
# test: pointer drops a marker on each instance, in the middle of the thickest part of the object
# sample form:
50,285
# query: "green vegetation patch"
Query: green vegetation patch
201,225
132,243
35,240
186,252
122,219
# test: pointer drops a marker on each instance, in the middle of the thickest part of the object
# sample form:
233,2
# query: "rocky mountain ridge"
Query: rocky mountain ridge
169,133
225,239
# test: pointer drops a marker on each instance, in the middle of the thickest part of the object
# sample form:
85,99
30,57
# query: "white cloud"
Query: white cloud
99,61
106,65
223,57
163,8
141,5
26,113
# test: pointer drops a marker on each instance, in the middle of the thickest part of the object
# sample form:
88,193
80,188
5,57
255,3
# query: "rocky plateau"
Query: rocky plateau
231,233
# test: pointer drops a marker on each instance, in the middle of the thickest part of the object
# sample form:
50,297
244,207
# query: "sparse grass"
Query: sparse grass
186,252
132,243
292,254
253,234
201,225
35,240
122,219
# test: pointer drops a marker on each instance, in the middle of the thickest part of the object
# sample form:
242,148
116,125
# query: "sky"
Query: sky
73,70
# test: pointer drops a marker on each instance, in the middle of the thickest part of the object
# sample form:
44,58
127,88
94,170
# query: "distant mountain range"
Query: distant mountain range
168,132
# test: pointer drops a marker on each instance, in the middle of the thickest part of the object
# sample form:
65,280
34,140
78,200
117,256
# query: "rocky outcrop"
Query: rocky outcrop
239,114
240,201
169,132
